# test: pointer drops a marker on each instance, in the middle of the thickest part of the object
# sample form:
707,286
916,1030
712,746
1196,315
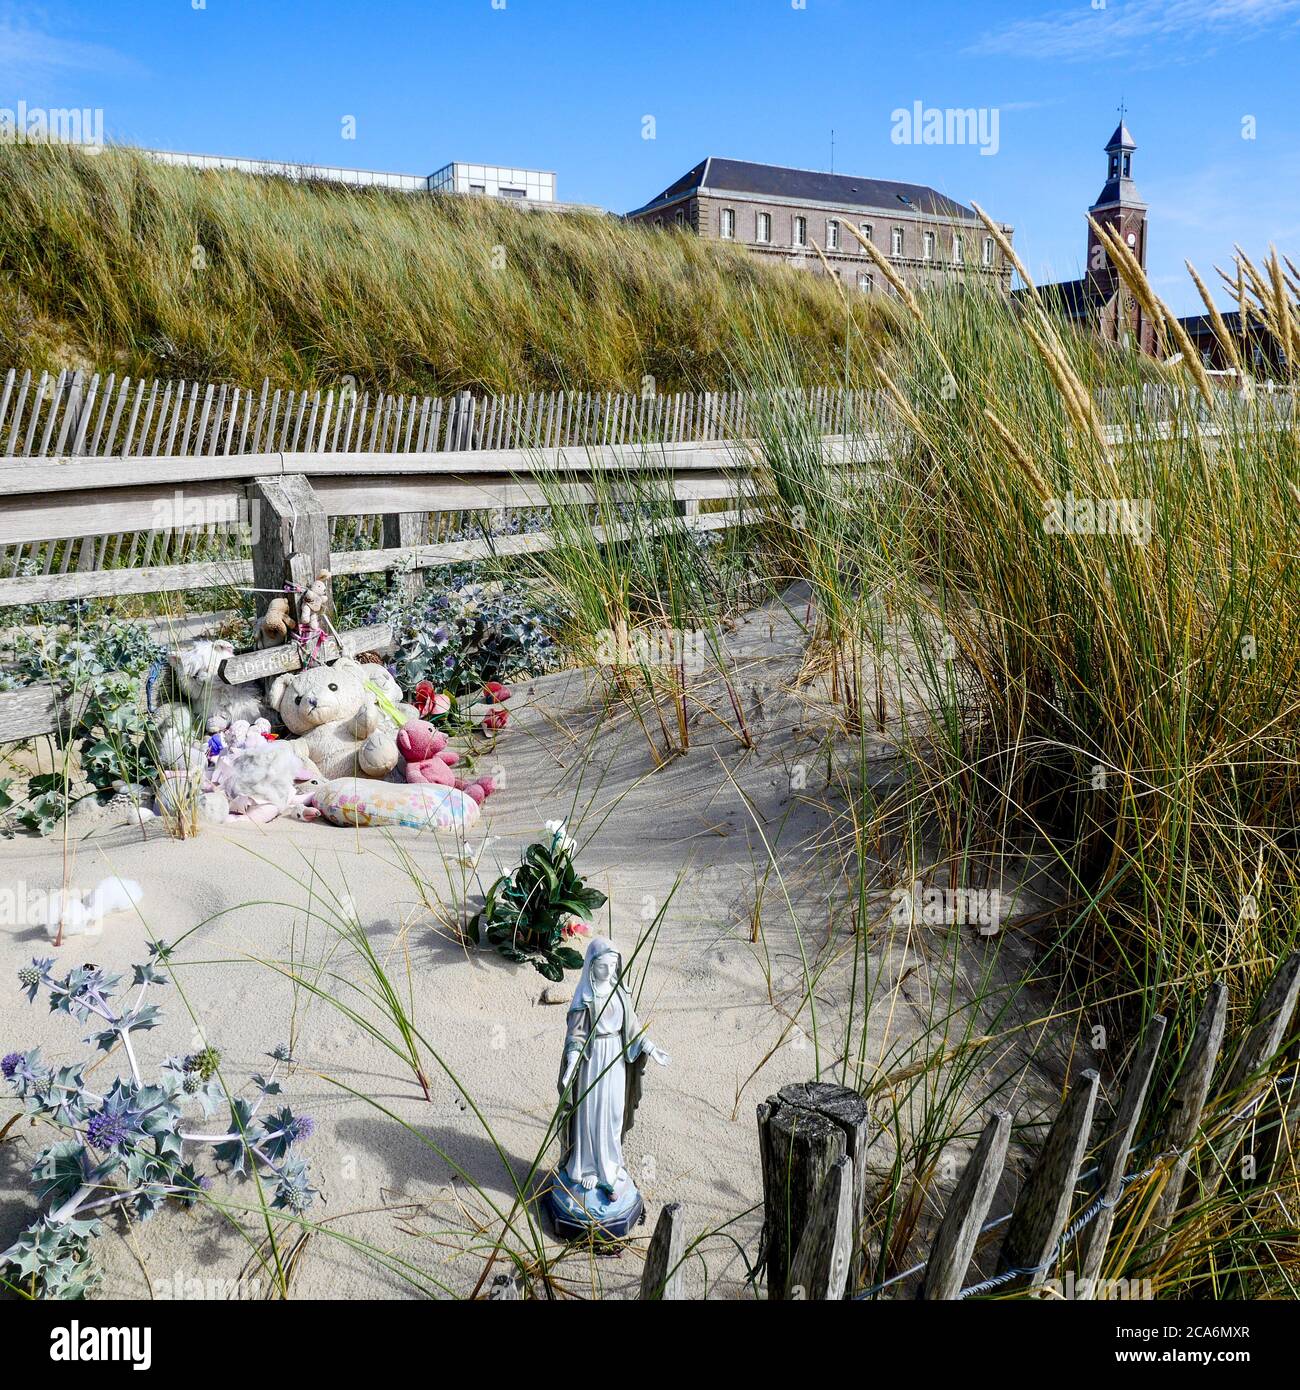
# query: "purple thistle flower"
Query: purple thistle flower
301,1127
107,1130
10,1064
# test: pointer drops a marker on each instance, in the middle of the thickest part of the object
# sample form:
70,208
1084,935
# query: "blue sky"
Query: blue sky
566,85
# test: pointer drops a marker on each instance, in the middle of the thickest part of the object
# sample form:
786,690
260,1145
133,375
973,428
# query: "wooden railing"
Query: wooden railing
114,487
156,487
149,486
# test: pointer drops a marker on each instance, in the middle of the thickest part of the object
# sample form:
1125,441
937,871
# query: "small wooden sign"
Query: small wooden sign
278,661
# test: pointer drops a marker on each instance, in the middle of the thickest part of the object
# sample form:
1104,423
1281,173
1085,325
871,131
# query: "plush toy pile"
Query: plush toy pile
308,746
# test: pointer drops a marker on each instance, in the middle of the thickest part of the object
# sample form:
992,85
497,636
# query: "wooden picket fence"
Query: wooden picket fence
114,488
814,1139
71,416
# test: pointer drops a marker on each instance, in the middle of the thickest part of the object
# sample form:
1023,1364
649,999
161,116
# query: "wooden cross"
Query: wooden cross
279,661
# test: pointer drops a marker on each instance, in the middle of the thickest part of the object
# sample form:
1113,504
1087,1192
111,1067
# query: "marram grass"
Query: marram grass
117,263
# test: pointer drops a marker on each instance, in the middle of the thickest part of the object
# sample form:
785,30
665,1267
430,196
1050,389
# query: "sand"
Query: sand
729,1010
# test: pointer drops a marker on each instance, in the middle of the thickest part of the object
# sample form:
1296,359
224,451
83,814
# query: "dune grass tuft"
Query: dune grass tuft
119,263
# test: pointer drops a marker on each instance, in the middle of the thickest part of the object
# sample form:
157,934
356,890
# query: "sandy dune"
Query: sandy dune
729,1010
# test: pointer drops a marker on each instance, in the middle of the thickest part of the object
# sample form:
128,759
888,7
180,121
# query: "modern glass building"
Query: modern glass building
490,180
494,181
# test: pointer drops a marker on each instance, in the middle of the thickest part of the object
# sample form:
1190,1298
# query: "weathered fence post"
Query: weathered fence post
820,1271
954,1245
1114,1156
288,520
1191,1091
1269,1027
1045,1200
803,1131
661,1279
405,530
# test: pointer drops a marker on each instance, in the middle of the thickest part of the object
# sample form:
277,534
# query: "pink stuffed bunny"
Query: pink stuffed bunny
428,759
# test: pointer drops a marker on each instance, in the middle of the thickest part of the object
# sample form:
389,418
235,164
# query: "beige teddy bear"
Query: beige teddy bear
339,724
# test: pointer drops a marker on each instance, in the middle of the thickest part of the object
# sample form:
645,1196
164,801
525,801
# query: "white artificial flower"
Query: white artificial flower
560,837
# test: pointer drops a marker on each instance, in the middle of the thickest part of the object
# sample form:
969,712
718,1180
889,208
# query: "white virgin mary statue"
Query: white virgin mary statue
605,1052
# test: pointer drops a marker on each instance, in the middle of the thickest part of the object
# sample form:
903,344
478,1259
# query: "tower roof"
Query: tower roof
1119,188
1121,140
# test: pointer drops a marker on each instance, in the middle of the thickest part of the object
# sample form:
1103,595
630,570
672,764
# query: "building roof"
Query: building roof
1121,140
807,185
1075,299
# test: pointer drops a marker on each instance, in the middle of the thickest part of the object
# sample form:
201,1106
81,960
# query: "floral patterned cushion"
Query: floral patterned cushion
417,805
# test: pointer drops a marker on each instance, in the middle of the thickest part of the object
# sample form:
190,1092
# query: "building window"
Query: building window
988,250
928,246
832,234
680,217
865,229
478,188
763,226
958,252
513,192
799,232
1128,165
727,224
896,242
866,283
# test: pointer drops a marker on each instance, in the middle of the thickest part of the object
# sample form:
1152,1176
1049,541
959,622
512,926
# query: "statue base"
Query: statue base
582,1215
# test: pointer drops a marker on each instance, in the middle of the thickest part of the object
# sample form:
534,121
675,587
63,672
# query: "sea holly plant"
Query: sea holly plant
533,913
124,1146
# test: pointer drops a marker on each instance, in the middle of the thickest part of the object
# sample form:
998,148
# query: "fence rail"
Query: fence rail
112,486
117,441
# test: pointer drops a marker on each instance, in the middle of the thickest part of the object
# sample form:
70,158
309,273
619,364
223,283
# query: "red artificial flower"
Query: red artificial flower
429,701
496,719
494,690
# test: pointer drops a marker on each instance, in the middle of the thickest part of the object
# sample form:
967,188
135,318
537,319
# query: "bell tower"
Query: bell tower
1119,206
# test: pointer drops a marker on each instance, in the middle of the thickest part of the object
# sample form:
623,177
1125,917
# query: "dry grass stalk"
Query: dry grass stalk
1216,318
1008,251
895,280
1025,463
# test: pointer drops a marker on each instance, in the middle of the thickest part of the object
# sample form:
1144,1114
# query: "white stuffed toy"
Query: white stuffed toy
264,780
198,694
340,724
78,914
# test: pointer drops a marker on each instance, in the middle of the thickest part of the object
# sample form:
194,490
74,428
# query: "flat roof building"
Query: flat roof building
489,180
494,181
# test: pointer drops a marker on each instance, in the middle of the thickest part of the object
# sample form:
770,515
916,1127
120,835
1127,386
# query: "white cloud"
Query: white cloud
29,55
1085,33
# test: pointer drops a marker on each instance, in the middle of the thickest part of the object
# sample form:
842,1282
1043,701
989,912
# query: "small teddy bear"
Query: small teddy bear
428,759
314,601
274,625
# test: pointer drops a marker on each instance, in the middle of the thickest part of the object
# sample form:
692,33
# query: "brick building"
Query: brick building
780,214
1098,299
